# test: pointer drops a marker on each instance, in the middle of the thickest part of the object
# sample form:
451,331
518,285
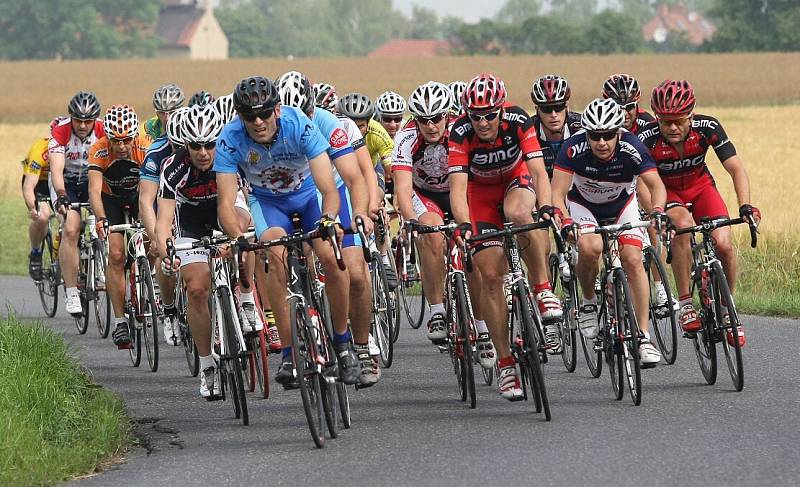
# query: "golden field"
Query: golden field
34,91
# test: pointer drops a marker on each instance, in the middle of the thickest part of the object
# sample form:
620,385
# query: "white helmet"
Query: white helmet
296,91
174,128
325,96
430,99
201,124
224,106
457,93
602,115
168,97
390,103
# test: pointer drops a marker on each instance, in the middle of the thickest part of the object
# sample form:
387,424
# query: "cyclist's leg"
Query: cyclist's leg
709,203
37,229
115,270
246,297
590,246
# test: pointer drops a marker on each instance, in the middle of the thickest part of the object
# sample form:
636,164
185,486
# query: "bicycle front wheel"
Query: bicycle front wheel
232,358
150,314
724,306
704,341
567,291
102,303
305,369
410,290
531,354
48,286
465,339
628,332
382,311
662,315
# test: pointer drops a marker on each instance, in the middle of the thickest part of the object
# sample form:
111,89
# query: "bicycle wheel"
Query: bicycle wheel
189,347
232,357
382,312
48,286
662,318
135,352
628,330
567,291
306,370
150,314
82,319
410,290
465,338
723,300
704,341
102,303
531,362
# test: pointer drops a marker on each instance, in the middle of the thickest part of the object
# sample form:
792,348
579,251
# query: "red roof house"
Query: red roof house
677,19
412,48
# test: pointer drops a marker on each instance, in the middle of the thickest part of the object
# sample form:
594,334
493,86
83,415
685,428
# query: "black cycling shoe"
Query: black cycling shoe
122,337
35,266
391,277
349,365
285,376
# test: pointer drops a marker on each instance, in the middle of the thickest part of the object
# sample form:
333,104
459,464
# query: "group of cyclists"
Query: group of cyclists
274,149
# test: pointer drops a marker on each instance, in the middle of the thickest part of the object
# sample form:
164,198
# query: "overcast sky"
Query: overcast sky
469,10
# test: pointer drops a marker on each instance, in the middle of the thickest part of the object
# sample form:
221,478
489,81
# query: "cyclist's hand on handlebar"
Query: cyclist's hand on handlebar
568,230
33,213
462,233
62,204
328,228
547,212
367,222
170,265
410,226
750,211
659,219
102,228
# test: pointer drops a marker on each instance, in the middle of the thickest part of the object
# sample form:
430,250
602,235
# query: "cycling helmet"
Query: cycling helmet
120,122
673,97
325,96
255,93
602,114
550,89
224,106
457,94
201,124
201,98
390,103
57,121
622,88
356,106
429,99
167,98
174,129
296,91
84,105
484,92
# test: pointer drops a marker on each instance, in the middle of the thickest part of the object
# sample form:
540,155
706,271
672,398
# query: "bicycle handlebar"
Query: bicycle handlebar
707,226
619,227
510,230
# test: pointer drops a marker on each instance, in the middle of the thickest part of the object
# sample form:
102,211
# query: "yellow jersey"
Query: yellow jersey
379,144
36,163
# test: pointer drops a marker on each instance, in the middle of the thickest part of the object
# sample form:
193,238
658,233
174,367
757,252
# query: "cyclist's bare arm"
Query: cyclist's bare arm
458,196
353,177
658,193
148,190
322,172
28,185
544,194
368,170
57,162
95,191
741,182
166,213
560,186
404,189
227,187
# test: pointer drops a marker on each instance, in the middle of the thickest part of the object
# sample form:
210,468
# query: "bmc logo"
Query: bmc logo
497,155
683,163
514,117
339,139
463,129
712,124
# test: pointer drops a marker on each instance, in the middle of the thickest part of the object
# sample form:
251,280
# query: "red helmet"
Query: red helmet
673,97
484,92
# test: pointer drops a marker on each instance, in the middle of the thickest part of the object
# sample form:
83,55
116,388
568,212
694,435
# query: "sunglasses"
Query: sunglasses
123,140
84,121
596,136
249,116
202,145
398,119
489,116
629,107
434,119
669,121
552,108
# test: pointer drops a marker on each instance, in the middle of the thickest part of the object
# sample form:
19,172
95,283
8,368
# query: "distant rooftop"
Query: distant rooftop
412,48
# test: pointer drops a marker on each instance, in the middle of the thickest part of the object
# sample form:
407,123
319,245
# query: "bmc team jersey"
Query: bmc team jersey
500,161
158,152
279,167
120,176
604,187
426,162
642,119
76,151
36,163
550,148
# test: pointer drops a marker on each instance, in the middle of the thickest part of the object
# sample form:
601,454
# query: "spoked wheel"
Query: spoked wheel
382,312
704,342
728,322
189,348
233,364
594,358
135,352
566,289
82,319
464,350
102,303
628,331
305,371
150,314
344,404
410,291
394,305
48,286
258,364
662,307
531,362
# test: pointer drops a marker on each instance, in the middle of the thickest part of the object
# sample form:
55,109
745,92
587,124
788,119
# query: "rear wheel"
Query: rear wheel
724,305
662,318
567,291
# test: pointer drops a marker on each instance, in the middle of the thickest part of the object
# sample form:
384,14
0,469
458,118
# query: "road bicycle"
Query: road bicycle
91,274
51,271
409,288
663,305
564,283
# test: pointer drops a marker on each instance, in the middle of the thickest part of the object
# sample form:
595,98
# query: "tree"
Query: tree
613,32
548,35
424,24
516,11
762,25
575,11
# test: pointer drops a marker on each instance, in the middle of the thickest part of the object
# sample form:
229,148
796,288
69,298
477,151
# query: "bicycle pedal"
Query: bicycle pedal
643,365
690,335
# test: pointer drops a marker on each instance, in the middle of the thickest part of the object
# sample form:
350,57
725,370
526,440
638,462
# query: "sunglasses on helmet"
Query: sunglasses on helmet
605,135
251,116
488,116
202,145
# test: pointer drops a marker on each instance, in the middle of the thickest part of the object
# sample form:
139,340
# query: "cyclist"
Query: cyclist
296,91
495,161
679,141
284,158
149,180
420,165
114,162
35,172
166,100
457,94
390,107
68,151
624,89
596,180
325,97
201,98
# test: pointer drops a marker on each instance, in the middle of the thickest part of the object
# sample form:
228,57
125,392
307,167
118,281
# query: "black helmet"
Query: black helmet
84,105
201,98
255,93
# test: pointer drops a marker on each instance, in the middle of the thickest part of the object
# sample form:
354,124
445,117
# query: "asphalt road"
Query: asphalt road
411,429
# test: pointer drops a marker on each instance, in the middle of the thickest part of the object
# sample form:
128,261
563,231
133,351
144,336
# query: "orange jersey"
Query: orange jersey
120,176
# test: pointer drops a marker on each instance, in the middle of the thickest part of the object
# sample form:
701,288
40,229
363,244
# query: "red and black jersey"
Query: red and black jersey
494,162
642,119
679,173
550,148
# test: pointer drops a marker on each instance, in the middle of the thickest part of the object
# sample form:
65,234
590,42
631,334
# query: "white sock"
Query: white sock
118,320
385,259
589,301
246,297
206,362
660,286
646,335
437,308
72,291
480,325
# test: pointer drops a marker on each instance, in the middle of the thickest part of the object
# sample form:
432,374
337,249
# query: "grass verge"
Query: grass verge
54,423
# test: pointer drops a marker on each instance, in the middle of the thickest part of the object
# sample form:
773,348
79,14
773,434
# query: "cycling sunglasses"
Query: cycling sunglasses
488,116
250,116
202,145
606,135
121,140
388,119
552,108
629,106
434,119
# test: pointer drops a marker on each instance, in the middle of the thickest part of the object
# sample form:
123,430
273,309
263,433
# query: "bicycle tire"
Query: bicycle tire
82,319
464,324
593,358
150,314
733,353
102,302
395,304
382,313
567,291
233,363
534,373
411,292
663,319
48,285
189,347
703,341
324,310
135,352
630,344
309,387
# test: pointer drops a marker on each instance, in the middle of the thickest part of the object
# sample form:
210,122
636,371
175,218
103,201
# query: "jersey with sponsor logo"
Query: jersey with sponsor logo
332,128
157,153
194,192
379,144
493,162
120,176
426,162
280,167
608,185
76,151
36,163
550,148
642,119
680,173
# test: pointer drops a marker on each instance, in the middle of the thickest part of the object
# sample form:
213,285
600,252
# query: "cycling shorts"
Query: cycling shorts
486,202
704,199
76,192
585,217
426,201
191,256
117,208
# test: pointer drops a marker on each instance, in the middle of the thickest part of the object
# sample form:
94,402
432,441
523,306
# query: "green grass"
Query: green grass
54,423
14,242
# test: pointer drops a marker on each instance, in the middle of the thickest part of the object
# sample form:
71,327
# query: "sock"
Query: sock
385,259
246,297
72,291
36,251
437,308
206,362
118,320
646,335
660,286
506,362
286,353
543,286
338,339
589,301
480,325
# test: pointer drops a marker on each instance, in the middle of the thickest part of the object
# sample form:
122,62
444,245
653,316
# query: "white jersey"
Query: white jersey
76,151
426,162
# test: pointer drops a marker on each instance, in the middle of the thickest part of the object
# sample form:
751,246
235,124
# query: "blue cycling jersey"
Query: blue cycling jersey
280,167
159,150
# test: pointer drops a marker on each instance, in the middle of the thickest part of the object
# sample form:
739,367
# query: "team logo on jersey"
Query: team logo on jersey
253,157
101,153
280,178
338,139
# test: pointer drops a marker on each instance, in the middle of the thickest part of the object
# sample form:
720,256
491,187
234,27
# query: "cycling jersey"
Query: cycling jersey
339,144
158,152
550,148
194,192
426,162
120,176
153,127
76,151
36,163
379,144
642,119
